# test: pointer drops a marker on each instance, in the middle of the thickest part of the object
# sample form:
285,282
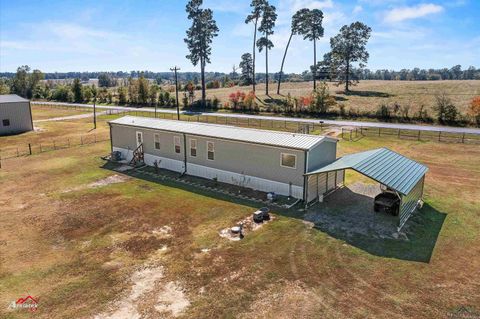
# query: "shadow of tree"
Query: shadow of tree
369,94
422,229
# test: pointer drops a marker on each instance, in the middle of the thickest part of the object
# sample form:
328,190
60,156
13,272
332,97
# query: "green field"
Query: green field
85,250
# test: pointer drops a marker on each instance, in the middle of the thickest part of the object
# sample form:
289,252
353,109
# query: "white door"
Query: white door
139,138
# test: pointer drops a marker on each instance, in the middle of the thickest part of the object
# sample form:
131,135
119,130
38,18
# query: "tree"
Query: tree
24,82
199,37
122,95
77,91
349,46
445,109
257,9
105,80
474,110
297,20
312,30
269,16
143,90
247,69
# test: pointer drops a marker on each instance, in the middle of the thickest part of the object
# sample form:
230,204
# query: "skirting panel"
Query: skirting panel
253,182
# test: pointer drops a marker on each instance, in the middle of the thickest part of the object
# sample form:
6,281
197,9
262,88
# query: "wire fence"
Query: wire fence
419,135
27,149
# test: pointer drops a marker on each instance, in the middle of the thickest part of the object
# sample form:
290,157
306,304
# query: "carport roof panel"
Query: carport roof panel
383,165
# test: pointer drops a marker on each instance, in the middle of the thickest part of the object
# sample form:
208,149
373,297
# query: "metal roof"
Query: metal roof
11,98
383,165
256,136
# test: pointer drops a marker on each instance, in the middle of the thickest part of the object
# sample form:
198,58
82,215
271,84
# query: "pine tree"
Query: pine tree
199,37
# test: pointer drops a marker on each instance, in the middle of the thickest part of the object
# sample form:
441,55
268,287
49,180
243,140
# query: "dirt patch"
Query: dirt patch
247,225
143,284
114,179
172,300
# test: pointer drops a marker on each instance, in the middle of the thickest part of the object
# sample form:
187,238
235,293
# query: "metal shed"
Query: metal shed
15,114
397,172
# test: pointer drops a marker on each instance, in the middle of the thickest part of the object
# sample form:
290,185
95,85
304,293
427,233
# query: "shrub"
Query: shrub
215,103
342,110
383,111
322,99
474,110
185,100
445,109
236,98
249,101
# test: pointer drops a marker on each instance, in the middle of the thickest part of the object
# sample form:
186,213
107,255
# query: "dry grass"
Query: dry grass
368,95
77,250
40,112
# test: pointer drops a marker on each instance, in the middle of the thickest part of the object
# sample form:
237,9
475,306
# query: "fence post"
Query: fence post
418,137
54,145
94,138
40,147
342,133
379,131
398,136
439,135
18,154
30,148
463,137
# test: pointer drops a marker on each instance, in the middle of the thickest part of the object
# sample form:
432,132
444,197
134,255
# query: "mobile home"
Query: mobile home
264,160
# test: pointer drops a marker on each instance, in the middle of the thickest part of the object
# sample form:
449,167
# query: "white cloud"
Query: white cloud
357,9
406,13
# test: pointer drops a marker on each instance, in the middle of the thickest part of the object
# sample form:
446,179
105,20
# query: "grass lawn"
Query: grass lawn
40,112
77,247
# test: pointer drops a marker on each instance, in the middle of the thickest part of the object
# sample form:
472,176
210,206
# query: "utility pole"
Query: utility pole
175,69
94,112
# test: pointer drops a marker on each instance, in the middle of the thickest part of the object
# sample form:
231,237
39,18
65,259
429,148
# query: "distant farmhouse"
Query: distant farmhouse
290,164
15,114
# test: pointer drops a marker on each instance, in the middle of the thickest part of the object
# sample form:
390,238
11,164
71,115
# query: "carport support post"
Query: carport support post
30,148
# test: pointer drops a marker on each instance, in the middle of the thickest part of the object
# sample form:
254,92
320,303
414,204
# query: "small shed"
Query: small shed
395,171
15,114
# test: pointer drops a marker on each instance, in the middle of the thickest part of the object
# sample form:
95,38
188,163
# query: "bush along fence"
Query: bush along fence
354,134
28,149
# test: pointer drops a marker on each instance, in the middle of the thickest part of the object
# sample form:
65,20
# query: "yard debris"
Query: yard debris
246,225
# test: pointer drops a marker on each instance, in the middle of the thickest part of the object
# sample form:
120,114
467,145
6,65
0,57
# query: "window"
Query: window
6,122
139,138
210,151
176,142
288,160
193,148
156,140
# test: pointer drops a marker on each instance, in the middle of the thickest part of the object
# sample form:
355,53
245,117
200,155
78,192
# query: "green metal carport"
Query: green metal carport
399,173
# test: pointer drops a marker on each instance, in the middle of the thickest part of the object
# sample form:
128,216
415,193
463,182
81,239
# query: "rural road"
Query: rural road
430,128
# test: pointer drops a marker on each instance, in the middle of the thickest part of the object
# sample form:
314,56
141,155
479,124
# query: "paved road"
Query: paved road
430,128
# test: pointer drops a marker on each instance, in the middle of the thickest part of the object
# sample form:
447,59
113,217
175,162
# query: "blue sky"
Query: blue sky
148,35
